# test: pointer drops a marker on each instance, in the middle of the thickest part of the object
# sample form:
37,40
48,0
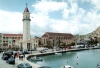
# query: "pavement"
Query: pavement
3,63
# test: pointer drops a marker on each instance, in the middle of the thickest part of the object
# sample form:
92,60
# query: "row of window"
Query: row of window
12,37
35,45
45,41
61,37
7,41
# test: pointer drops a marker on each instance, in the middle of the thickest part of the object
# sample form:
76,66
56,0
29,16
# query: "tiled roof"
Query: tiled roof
26,9
45,35
12,34
59,34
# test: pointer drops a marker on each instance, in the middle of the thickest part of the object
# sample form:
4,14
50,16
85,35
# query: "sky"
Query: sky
63,16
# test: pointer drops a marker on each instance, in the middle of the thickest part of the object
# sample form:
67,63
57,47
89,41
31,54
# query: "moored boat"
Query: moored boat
67,66
36,59
58,53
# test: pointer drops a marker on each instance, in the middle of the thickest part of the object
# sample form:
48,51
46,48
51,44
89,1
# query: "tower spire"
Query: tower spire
26,9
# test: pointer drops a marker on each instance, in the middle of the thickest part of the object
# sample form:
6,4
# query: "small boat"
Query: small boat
58,53
67,66
36,59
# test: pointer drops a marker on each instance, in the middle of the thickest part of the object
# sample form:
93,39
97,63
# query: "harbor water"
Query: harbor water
78,59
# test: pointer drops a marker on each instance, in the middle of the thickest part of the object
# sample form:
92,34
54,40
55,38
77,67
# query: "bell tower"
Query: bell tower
26,28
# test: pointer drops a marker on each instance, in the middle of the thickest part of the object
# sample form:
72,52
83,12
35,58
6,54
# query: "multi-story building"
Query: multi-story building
36,41
1,41
57,38
9,40
12,40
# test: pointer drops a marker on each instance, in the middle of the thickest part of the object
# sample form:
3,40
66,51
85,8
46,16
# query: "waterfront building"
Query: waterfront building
57,39
9,40
16,40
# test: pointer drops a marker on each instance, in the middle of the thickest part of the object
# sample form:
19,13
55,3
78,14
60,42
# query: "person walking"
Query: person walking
23,55
15,55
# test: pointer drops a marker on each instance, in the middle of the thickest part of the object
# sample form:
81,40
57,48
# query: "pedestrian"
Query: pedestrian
23,55
15,55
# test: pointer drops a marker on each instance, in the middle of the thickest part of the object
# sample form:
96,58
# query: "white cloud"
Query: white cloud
96,3
49,6
10,22
40,20
74,8
78,23
74,19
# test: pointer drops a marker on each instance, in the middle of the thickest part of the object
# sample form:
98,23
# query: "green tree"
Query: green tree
92,41
49,44
63,44
72,44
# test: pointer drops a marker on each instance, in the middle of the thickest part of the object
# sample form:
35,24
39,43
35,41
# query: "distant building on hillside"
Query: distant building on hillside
95,33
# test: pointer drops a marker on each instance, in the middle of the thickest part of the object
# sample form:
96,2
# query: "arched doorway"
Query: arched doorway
28,46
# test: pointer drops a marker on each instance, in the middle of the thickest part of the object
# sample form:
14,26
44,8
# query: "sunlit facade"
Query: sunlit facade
57,38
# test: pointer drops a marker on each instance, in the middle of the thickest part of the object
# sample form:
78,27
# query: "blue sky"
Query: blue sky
65,16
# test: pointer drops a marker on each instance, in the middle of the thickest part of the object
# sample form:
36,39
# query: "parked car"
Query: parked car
44,67
25,52
33,49
6,56
10,52
20,52
45,49
42,51
24,65
11,60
